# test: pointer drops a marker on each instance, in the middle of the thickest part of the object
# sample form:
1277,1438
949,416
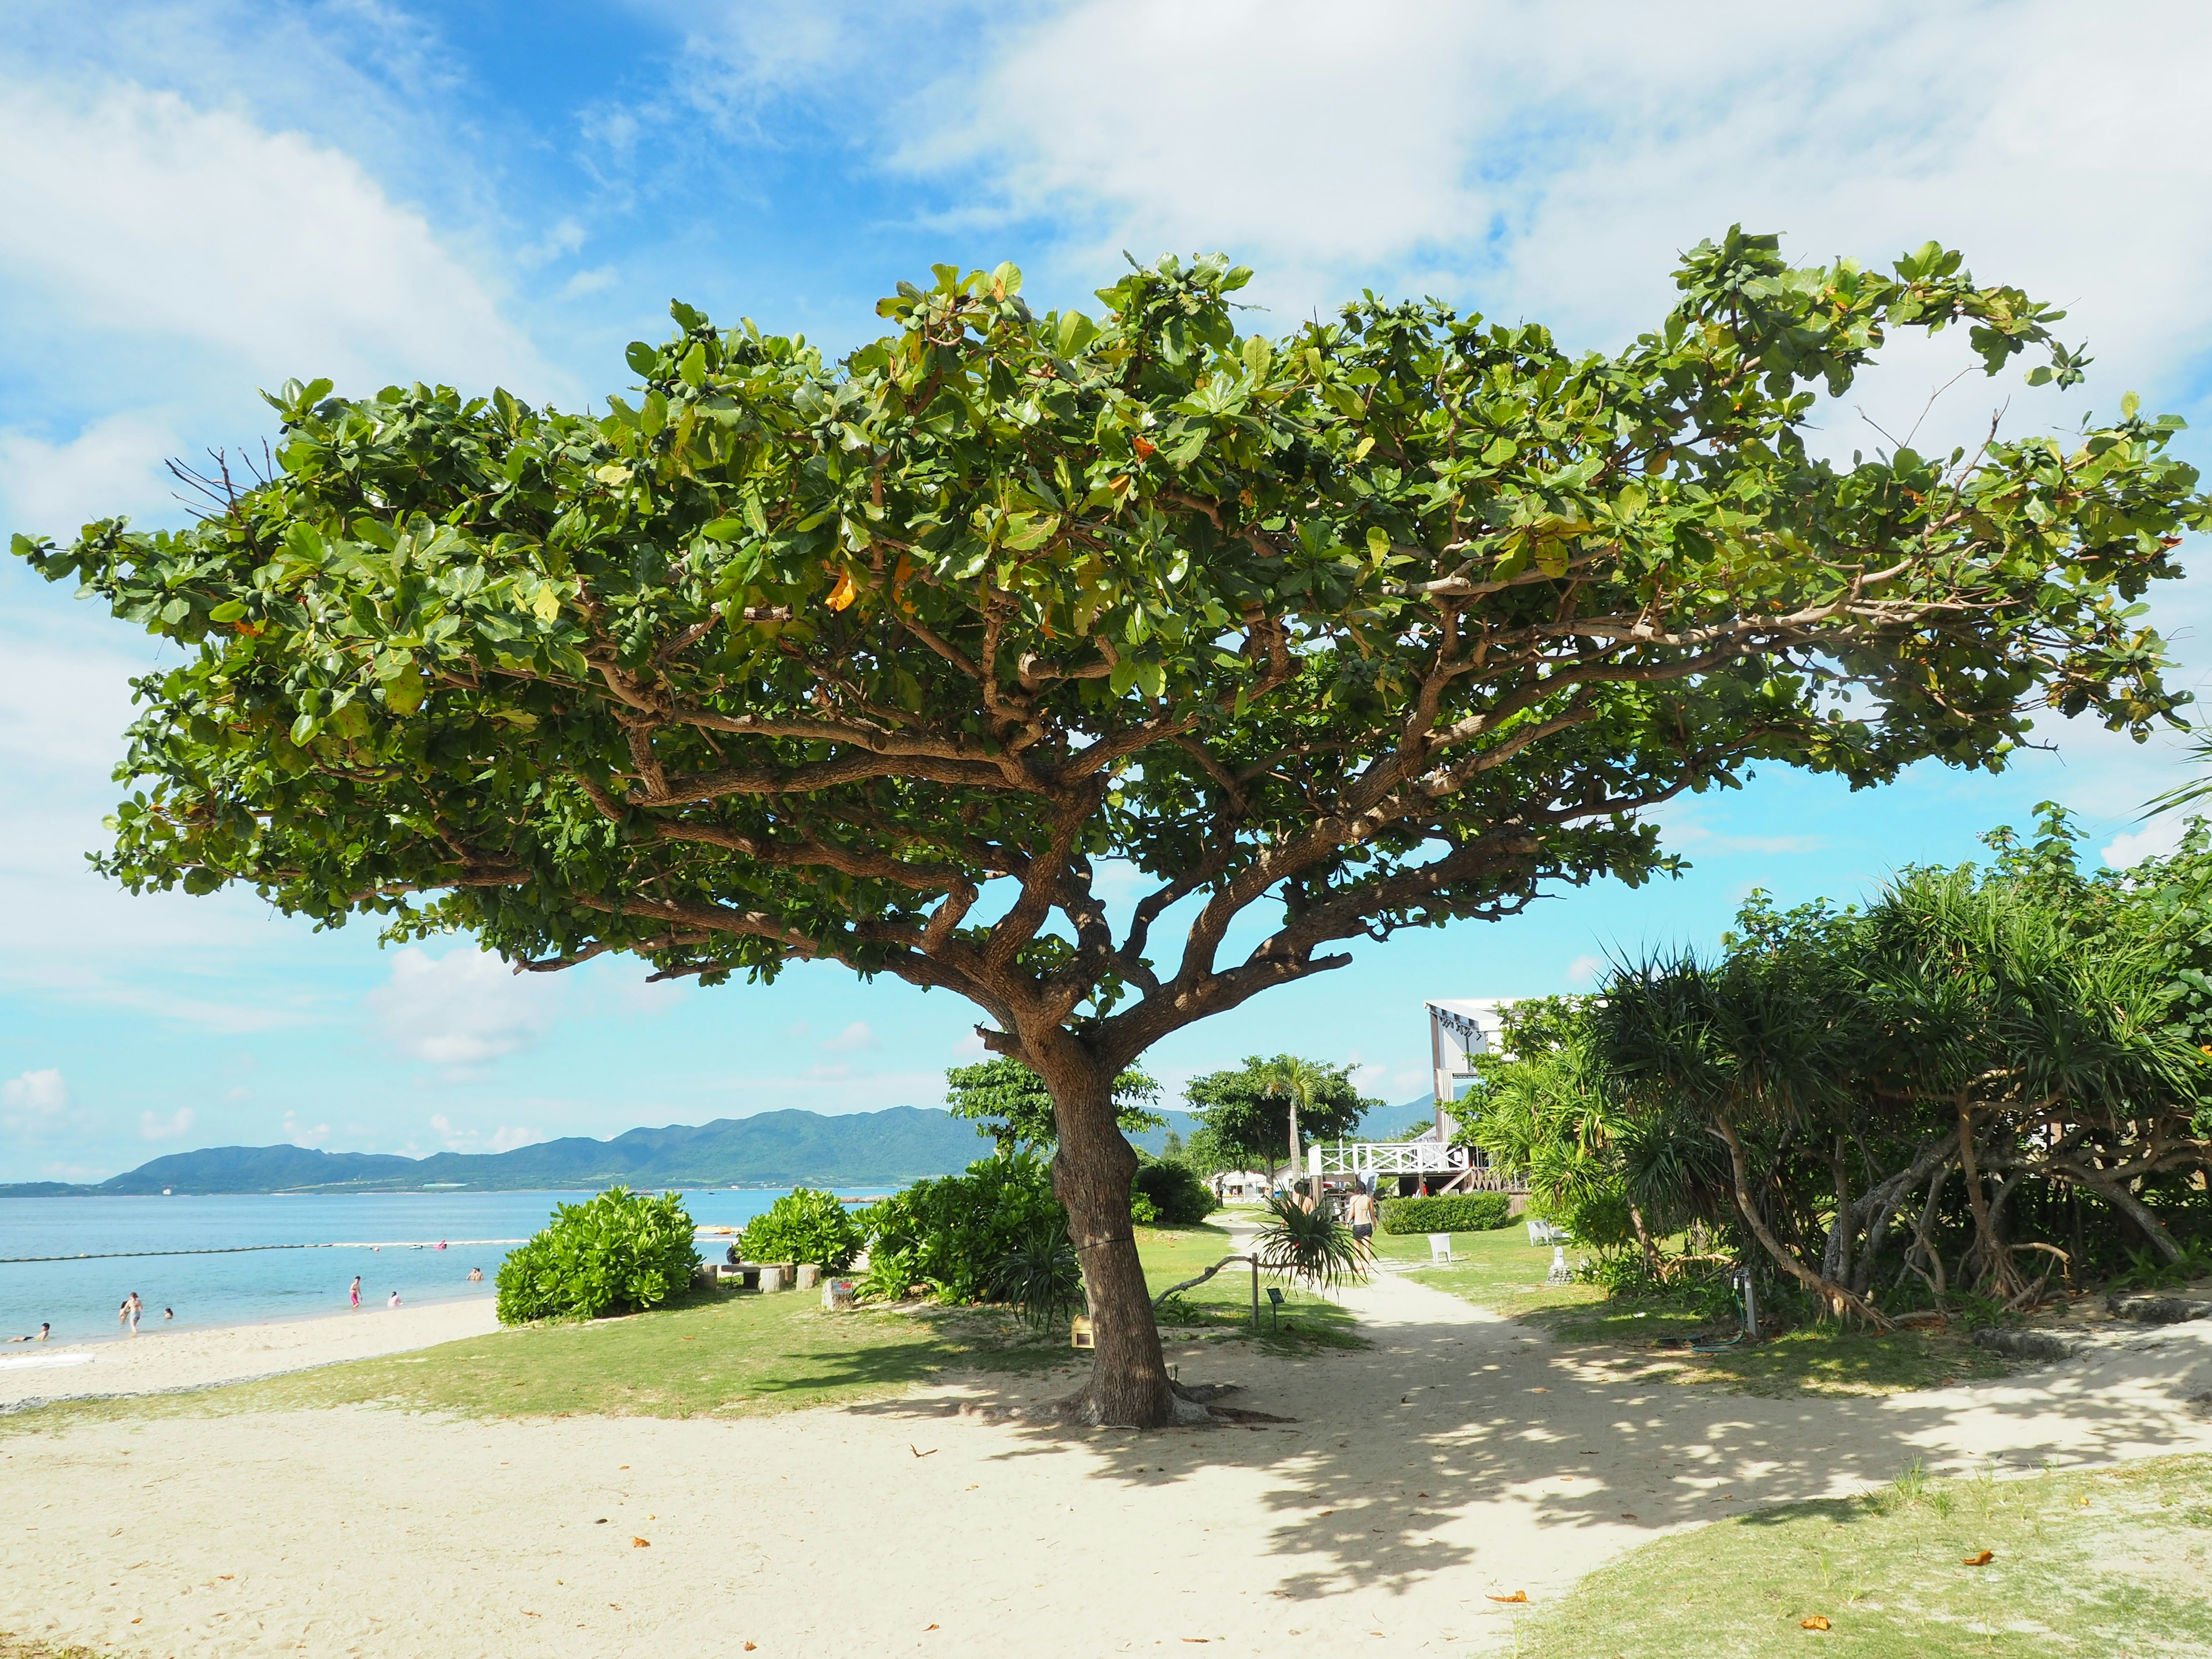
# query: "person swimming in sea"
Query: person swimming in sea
395,1300
476,1275
45,1330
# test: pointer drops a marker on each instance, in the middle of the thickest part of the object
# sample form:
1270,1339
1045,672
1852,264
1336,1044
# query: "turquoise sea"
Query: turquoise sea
72,1260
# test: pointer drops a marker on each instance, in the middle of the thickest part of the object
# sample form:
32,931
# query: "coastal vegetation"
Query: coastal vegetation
804,1224
1393,621
618,1252
1984,1090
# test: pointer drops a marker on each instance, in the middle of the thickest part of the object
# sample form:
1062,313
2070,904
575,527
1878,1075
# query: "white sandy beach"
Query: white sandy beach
157,1360
1461,1456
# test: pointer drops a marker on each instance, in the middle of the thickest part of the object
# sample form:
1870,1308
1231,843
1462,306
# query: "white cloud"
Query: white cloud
501,1139
971,1048
595,281
112,465
1532,162
173,1128
853,1038
39,1095
464,1009
134,209
2157,838
1584,970
302,1135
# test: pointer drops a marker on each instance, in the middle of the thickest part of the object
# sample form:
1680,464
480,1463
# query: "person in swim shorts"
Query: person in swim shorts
43,1331
1361,1210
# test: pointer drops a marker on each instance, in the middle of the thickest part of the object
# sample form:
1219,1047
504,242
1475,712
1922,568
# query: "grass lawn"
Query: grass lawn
1222,1307
2106,1563
1503,1272
729,1354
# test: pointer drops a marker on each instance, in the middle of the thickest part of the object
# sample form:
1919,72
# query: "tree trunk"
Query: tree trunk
1836,1297
1643,1242
1091,1174
1996,1262
1294,1141
1836,1259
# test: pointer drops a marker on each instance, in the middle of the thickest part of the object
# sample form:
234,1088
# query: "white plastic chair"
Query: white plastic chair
1439,1248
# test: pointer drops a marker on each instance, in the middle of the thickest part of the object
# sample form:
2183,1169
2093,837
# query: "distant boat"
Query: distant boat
165,1191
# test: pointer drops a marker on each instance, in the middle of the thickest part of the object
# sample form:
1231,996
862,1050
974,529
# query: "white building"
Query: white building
1461,1028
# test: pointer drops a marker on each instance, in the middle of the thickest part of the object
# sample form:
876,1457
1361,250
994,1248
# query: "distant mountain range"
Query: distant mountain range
774,1148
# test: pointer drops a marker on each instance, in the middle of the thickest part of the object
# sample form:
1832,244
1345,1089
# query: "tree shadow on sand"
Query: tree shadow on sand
1400,1460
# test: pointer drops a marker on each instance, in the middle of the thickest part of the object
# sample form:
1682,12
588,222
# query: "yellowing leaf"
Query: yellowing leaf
1818,1621
842,595
547,604
640,1543
1978,1559
1517,1596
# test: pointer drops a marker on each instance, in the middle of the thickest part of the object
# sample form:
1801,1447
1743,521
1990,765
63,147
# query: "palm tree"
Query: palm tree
1299,1081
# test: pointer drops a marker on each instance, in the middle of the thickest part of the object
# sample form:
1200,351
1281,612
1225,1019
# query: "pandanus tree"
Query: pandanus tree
1390,621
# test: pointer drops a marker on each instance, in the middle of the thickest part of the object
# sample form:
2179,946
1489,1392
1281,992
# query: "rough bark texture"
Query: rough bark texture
1090,1174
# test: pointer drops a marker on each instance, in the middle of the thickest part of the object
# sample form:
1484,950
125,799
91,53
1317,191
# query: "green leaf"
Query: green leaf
693,368
723,530
2129,404
641,357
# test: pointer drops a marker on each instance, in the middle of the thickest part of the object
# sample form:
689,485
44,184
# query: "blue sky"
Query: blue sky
199,199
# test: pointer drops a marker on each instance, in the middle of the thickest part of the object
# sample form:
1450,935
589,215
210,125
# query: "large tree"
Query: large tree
1254,1111
1390,621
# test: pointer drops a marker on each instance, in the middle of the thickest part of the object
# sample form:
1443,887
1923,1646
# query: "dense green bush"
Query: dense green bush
1453,1213
1177,1196
803,1226
955,1233
616,1252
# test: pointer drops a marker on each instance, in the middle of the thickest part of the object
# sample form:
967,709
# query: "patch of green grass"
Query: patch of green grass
1222,1307
731,1354
1501,1272
2109,1562
722,1354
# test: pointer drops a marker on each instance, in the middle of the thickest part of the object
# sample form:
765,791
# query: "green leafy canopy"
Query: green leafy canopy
1387,621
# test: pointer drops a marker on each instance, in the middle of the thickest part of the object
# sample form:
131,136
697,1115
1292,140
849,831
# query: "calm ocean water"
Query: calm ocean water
386,1237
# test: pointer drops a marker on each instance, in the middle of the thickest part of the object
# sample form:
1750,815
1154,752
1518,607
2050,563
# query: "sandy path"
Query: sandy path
1462,1454
156,1360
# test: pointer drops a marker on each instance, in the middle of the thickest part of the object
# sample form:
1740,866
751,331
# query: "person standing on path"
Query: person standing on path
355,1293
1361,1210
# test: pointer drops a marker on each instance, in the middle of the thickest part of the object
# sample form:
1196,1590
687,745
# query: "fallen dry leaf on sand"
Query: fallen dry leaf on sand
1978,1559
1818,1621
640,1543
1517,1596
917,1452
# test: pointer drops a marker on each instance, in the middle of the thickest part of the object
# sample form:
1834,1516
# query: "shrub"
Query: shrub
1453,1213
1178,1197
618,1253
954,1233
1313,1246
1041,1275
803,1226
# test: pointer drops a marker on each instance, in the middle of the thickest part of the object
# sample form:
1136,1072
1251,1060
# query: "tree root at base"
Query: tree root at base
1194,1405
